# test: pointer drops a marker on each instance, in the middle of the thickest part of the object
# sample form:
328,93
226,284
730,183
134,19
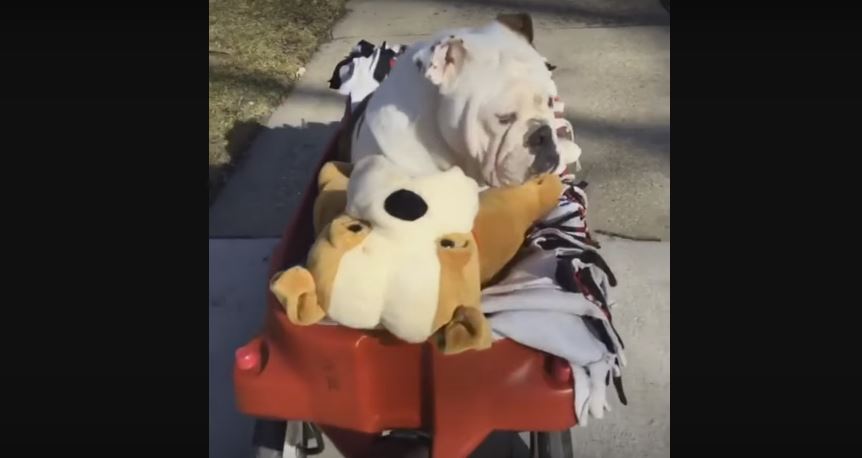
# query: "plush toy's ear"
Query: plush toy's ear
468,330
520,23
334,174
331,200
549,189
445,61
296,291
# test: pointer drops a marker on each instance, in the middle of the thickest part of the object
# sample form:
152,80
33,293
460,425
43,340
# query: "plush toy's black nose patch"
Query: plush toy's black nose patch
406,205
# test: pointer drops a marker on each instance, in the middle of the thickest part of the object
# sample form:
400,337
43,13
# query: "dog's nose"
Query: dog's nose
542,145
405,205
546,162
541,137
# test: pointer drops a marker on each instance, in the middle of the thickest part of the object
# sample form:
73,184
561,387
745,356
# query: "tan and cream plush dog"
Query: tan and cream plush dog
409,254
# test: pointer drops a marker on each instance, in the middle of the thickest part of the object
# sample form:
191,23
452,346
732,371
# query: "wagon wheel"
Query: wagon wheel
268,439
265,452
271,439
557,444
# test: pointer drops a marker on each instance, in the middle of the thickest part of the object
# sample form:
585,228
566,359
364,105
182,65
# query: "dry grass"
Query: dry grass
256,49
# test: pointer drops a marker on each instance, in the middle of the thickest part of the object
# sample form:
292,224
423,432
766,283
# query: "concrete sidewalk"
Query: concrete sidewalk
613,59
613,62
237,299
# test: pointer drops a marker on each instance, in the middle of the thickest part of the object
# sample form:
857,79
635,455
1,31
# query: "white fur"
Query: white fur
452,199
383,281
393,276
426,122
358,290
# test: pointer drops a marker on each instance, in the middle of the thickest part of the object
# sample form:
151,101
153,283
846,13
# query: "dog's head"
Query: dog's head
496,104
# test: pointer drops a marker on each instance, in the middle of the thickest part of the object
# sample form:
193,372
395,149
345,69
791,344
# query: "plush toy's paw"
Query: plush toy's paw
468,330
548,182
346,232
296,291
549,187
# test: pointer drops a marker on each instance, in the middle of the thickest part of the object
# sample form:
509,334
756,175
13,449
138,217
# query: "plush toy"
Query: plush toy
401,252
332,193
505,214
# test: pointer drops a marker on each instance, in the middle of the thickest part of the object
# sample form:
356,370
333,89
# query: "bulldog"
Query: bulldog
482,99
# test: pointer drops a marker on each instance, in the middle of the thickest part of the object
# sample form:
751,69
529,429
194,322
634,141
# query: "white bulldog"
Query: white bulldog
479,98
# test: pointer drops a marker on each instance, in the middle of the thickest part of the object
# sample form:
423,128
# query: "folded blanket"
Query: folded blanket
556,298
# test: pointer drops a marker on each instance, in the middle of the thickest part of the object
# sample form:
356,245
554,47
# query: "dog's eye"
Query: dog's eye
551,67
507,118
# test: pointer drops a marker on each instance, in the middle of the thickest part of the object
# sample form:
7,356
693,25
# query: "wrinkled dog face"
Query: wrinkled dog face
520,142
496,102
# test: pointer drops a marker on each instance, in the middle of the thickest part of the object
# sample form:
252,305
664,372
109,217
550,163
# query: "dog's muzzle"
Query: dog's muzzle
542,145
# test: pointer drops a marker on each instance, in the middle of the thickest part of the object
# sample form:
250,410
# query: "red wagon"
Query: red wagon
357,384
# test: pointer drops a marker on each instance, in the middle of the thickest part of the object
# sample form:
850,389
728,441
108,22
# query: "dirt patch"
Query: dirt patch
256,51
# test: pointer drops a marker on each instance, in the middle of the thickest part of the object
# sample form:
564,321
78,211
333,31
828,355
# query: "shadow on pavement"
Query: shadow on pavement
239,139
265,187
607,13
238,272
652,139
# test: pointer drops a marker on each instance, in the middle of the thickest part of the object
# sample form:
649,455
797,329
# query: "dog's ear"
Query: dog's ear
445,61
520,23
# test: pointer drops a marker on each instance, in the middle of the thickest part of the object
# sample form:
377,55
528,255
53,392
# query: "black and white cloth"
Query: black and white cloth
556,297
361,71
